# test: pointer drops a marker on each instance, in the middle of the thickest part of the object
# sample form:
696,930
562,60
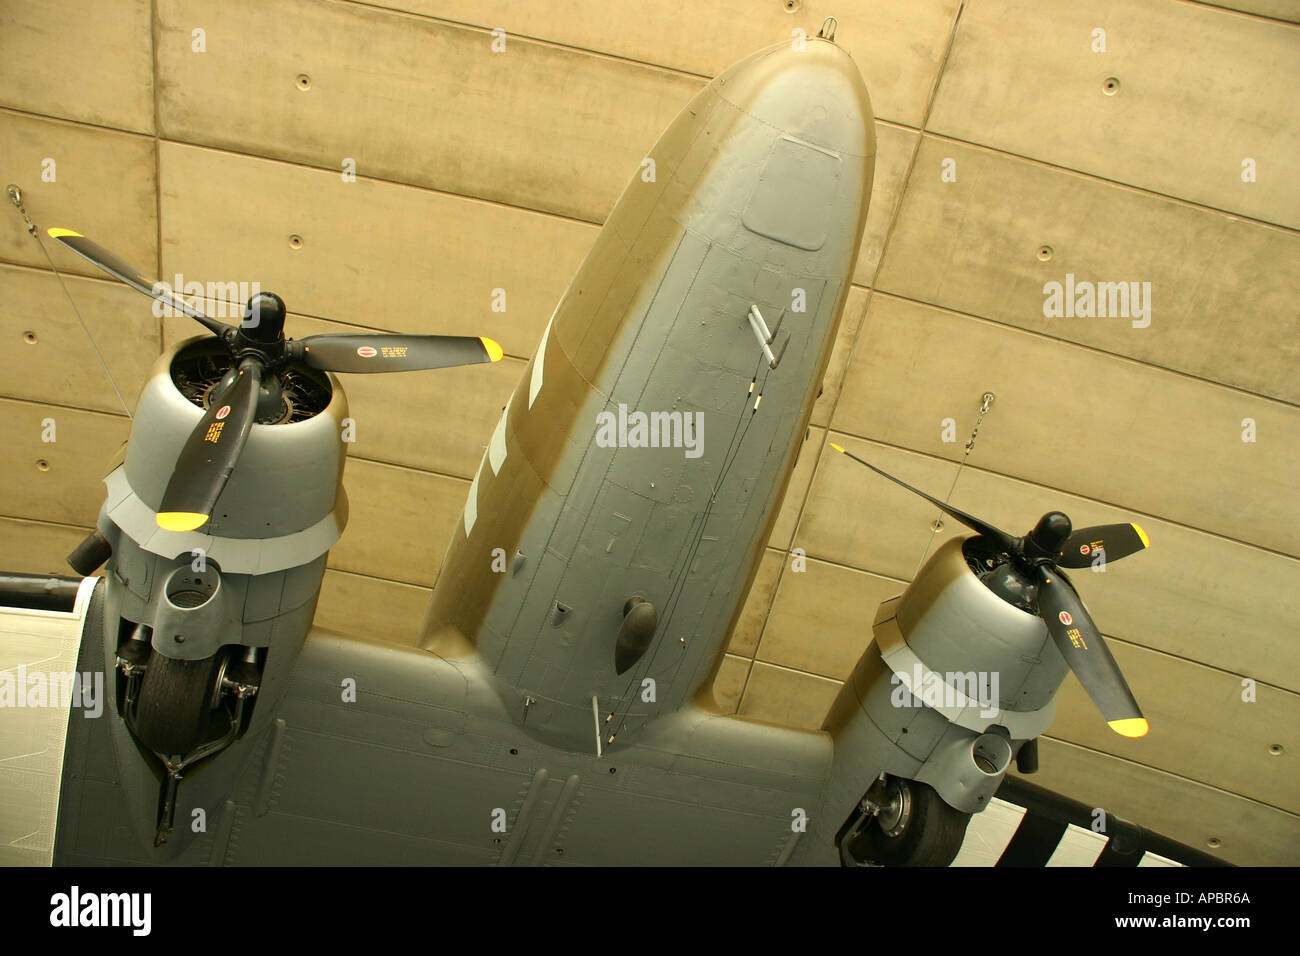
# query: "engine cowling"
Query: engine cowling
249,579
956,679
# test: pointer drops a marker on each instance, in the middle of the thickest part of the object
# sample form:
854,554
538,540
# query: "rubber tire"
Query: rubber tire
172,714
932,836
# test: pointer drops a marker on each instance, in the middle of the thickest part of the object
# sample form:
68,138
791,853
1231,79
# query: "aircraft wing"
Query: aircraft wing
419,773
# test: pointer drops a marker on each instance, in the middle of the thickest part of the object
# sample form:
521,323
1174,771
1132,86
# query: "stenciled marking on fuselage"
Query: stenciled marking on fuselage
497,447
471,503
496,458
497,452
539,361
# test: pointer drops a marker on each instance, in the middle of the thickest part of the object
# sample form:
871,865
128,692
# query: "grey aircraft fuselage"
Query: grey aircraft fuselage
640,460
760,199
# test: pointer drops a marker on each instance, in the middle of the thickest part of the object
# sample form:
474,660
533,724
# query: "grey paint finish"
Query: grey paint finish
755,228
374,782
278,516
249,609
289,474
125,510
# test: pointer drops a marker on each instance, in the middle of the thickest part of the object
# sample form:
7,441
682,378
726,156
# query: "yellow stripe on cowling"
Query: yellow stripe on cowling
837,447
1146,542
494,351
57,233
180,520
1130,726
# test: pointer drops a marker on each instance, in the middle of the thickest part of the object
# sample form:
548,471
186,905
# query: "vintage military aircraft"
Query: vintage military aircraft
559,708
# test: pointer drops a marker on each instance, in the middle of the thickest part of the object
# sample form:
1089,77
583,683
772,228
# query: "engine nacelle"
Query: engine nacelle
954,682
250,577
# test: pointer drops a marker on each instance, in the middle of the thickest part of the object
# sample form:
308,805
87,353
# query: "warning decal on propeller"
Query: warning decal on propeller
366,352
1066,619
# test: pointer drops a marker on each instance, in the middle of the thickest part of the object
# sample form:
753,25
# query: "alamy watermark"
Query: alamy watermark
1100,300
952,689
653,430
61,689
229,297
75,909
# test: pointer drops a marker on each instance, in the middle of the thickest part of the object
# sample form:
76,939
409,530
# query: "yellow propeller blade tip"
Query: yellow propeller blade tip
1130,726
180,520
56,233
494,351
837,448
1146,542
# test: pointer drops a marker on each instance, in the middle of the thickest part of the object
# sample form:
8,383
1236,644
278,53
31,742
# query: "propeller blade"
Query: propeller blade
379,352
1116,540
119,268
210,454
1007,542
1083,648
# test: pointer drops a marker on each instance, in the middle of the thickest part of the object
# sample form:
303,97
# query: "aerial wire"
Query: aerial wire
16,197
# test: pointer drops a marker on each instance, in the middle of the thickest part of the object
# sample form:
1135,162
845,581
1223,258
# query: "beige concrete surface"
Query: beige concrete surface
1177,123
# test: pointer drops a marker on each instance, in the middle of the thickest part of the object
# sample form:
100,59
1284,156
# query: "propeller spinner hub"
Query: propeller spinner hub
1048,535
263,318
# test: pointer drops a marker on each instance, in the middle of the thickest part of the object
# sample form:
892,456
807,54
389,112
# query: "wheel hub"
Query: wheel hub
893,816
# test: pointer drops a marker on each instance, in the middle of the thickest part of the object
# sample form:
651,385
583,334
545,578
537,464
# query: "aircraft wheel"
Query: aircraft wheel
175,703
916,828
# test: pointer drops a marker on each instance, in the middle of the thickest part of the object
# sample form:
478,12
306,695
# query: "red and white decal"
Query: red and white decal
366,352
1065,618
222,412
1084,549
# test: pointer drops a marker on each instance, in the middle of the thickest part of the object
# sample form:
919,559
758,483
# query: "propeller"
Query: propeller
1049,546
367,352
120,269
210,453
251,389
1115,541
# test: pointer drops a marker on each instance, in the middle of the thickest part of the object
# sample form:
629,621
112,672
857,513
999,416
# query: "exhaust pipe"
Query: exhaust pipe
191,617
991,754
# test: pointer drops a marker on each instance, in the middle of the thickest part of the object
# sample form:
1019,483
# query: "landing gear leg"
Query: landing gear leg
176,700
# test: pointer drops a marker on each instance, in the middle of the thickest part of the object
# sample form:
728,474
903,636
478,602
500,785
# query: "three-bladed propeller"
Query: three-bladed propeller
252,388
1040,555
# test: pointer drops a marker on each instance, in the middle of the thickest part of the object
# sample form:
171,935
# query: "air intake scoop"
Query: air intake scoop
640,620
